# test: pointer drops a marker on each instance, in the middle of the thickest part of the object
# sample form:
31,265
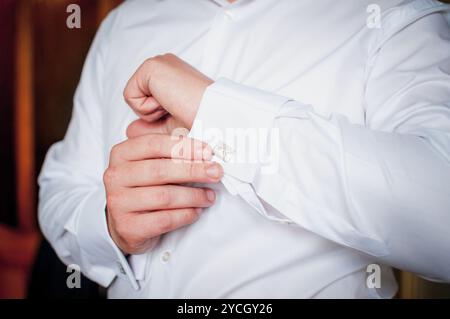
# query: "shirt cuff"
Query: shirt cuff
105,259
237,121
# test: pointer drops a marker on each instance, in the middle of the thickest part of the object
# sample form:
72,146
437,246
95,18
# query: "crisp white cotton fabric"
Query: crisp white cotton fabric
356,122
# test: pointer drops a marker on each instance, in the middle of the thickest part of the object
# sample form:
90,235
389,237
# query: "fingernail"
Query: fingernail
214,171
211,195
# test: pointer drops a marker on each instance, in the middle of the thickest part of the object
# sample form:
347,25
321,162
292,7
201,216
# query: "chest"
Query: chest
290,52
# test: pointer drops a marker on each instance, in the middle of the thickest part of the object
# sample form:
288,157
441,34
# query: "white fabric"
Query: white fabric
360,121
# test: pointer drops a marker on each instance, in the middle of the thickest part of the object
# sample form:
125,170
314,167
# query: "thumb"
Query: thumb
166,125
138,96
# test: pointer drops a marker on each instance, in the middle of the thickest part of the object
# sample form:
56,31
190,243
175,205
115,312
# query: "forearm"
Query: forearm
384,193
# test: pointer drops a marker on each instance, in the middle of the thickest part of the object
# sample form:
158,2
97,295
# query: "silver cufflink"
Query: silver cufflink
223,151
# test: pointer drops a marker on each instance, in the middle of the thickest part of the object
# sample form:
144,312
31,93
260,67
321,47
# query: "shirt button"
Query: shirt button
165,256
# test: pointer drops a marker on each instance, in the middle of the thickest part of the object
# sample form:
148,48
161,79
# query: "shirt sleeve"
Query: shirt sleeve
72,198
383,187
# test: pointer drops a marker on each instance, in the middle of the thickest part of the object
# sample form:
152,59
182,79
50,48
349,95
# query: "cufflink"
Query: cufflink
224,152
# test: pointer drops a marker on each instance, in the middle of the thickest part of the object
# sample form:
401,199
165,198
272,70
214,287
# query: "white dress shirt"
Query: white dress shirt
354,120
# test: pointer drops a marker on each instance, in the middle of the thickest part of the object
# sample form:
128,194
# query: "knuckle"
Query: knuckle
152,62
110,175
130,132
168,55
126,95
115,151
106,177
112,201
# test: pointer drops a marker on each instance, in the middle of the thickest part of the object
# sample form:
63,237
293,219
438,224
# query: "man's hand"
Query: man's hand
166,84
167,125
143,201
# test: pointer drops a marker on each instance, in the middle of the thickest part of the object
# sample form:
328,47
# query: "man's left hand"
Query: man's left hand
166,84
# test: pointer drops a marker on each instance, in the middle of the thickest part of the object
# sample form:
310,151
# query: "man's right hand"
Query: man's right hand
144,198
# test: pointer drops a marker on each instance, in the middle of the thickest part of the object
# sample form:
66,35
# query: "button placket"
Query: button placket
216,42
228,14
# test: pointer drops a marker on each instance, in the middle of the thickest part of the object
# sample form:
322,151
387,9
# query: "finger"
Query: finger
153,224
167,171
141,127
152,146
137,94
144,199
153,116
146,105
166,125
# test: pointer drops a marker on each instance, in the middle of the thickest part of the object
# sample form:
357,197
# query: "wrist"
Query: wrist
188,117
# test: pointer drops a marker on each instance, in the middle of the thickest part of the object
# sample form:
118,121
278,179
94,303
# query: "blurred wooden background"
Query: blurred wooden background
40,63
